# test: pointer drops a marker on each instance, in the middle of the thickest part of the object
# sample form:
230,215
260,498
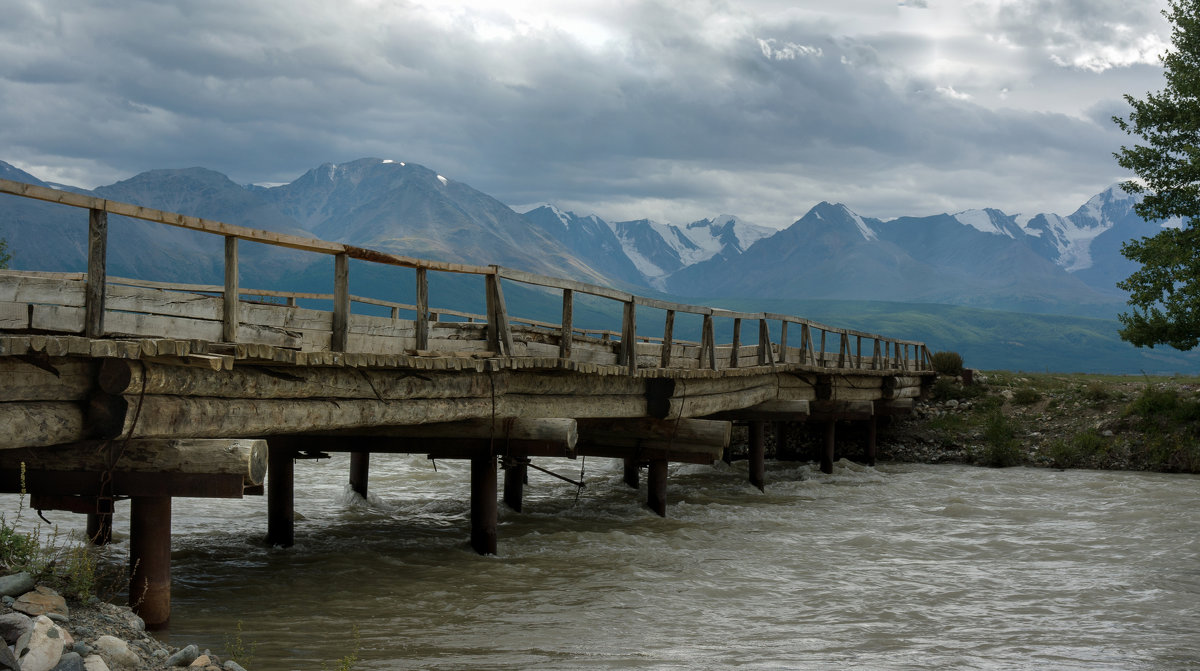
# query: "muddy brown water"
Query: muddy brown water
895,567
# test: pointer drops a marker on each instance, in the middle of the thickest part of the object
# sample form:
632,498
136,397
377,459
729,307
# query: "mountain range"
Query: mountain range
1044,263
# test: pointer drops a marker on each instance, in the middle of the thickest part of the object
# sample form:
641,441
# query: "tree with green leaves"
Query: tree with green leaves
1165,292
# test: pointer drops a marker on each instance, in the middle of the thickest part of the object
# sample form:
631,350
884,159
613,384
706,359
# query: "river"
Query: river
896,567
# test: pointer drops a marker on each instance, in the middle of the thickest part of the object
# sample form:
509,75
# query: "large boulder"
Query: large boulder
41,648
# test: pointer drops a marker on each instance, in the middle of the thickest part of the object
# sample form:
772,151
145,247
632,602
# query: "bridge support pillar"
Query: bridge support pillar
150,559
872,430
484,509
656,487
281,502
783,450
360,468
758,455
827,454
99,528
631,472
516,474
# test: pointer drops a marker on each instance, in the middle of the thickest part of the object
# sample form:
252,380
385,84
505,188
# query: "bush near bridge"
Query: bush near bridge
1054,421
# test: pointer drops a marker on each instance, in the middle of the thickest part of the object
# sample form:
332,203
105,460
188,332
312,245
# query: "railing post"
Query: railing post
568,328
629,337
876,358
93,325
229,322
821,363
843,350
708,348
783,341
668,339
765,355
499,335
737,342
806,344
858,352
422,309
341,303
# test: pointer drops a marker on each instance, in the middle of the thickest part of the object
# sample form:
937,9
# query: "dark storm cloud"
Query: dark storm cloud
689,111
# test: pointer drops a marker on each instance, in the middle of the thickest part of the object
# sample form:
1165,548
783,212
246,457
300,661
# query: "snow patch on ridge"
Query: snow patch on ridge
981,220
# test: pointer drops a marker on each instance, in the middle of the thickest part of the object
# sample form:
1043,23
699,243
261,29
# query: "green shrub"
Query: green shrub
19,550
1026,396
947,363
1158,404
1001,447
1097,391
1081,448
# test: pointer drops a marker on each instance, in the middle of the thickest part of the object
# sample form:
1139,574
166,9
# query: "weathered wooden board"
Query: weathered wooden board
55,379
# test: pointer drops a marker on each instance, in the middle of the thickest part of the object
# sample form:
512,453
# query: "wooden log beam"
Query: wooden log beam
824,411
899,406
40,423
560,431
775,410
655,432
246,458
684,454
89,483
28,378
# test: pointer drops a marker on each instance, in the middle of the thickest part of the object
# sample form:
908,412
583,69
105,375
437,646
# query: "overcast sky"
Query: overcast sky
673,110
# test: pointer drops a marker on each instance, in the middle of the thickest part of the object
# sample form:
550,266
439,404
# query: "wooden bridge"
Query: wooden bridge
117,388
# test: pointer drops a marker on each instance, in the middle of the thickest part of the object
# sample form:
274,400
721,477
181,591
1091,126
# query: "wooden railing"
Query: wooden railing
817,341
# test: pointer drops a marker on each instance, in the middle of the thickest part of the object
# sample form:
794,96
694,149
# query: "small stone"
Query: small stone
58,618
134,621
8,600
94,663
184,656
117,651
16,584
83,649
70,661
231,665
952,403
200,662
40,601
42,647
13,626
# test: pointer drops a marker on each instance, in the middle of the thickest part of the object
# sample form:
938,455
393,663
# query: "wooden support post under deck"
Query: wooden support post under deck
281,502
484,509
827,454
631,472
99,528
515,474
360,469
758,455
93,300
150,559
656,487
872,429
229,316
783,451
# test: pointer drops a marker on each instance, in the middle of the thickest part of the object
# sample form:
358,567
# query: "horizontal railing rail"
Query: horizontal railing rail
820,345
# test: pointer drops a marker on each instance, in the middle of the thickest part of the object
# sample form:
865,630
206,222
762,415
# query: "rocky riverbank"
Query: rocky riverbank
1056,421
45,633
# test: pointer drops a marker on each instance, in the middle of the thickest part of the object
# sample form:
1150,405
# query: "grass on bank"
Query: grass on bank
1072,421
